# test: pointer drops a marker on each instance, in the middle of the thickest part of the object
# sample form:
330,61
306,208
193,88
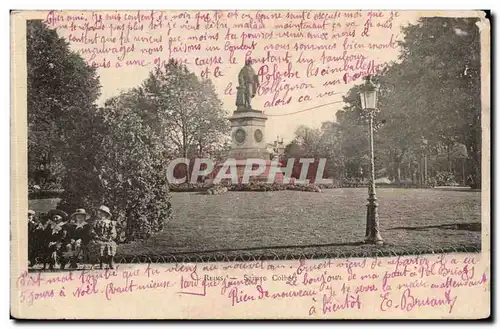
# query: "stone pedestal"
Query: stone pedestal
248,138
248,141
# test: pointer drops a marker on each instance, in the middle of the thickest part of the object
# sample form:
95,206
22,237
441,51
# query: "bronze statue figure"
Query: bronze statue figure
248,82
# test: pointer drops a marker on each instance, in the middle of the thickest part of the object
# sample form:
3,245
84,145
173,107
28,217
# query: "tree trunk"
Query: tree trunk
449,157
397,171
188,172
476,163
129,232
185,153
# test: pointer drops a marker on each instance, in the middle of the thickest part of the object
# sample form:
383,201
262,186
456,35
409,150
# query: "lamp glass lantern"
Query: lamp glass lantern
368,95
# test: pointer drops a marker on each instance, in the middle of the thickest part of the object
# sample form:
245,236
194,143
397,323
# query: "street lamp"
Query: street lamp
368,95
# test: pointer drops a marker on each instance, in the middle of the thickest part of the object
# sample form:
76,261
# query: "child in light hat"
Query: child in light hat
103,235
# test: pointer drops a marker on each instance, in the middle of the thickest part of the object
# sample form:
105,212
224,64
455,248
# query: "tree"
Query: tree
293,150
109,155
324,142
432,92
213,125
186,110
60,84
183,110
308,140
117,159
444,53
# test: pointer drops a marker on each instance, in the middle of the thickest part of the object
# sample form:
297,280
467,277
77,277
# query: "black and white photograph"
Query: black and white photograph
334,160
394,168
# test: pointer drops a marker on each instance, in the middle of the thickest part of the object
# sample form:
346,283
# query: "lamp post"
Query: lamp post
368,95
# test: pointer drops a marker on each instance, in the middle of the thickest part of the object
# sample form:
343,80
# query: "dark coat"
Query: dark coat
81,232
60,234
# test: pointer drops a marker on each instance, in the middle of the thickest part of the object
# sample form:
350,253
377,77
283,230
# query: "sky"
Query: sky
281,121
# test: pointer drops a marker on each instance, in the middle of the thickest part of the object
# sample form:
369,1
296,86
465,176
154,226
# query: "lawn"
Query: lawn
291,224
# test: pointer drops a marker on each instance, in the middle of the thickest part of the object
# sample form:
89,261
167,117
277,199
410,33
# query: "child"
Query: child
58,237
31,220
41,240
103,235
32,224
80,236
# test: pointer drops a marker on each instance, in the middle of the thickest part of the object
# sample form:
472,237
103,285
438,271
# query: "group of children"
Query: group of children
59,239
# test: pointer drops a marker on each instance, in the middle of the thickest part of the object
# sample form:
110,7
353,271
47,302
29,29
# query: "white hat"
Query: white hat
105,210
31,212
80,212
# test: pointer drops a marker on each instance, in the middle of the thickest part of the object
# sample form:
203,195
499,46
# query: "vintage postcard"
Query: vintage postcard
231,164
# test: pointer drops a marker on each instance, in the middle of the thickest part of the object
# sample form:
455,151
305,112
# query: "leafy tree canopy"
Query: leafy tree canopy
60,85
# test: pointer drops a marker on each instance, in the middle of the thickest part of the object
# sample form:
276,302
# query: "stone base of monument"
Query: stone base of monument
240,168
247,131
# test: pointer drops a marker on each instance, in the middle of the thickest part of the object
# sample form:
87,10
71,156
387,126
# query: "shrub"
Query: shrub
304,187
262,186
188,187
443,178
354,183
217,189
330,186
115,159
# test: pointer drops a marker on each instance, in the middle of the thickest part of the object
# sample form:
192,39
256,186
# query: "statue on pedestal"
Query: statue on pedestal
248,82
